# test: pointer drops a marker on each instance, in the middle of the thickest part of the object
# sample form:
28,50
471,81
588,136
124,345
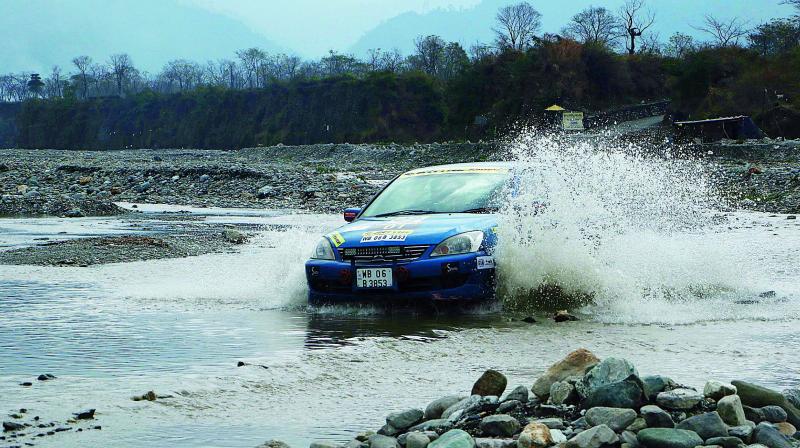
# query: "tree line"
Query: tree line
600,59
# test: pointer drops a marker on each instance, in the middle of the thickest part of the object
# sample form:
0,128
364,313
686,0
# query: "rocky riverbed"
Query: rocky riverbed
584,402
763,176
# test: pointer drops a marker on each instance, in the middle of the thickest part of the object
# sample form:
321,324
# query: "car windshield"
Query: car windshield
443,191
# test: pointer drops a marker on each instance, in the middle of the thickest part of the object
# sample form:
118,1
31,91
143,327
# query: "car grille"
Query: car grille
382,254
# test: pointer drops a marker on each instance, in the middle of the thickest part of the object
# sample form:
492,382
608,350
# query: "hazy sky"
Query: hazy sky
312,27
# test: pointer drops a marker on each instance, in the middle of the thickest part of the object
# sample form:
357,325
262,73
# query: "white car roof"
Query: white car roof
464,167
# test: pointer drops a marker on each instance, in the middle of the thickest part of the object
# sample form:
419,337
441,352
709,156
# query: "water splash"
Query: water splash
617,227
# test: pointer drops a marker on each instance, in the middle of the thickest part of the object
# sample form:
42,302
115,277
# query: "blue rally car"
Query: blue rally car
427,236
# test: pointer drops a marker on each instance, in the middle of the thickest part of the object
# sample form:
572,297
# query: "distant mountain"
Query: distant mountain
470,25
37,34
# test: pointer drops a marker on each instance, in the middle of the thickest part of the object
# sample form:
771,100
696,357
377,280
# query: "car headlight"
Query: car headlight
323,251
463,243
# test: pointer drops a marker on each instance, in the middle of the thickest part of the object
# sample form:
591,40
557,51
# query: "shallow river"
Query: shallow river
179,327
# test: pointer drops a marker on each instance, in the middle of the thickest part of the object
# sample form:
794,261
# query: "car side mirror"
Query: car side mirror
351,213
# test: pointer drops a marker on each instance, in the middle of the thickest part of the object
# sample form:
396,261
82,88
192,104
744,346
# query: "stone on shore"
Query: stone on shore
12,426
274,444
404,420
466,403
679,399
793,396
774,414
655,384
716,390
483,442
757,396
455,438
323,444
744,432
382,441
519,393
615,418
417,439
576,363
593,438
786,428
501,425
725,442
668,438
438,406
624,394
655,417
562,392
731,410
491,382
535,435
608,371
706,425
769,436
438,424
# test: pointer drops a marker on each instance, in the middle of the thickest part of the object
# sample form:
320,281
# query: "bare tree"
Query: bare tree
251,60
392,61
517,25
429,54
54,85
635,20
479,51
724,33
121,68
83,64
594,25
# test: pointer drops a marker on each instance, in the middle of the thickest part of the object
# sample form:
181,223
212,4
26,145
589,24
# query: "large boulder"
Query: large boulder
793,396
655,384
615,418
438,406
438,424
468,403
593,438
679,399
491,382
731,410
726,442
668,438
774,414
381,441
706,425
757,396
501,425
743,432
576,363
769,436
535,435
608,371
562,392
455,438
405,419
717,389
417,439
786,428
624,394
519,393
655,417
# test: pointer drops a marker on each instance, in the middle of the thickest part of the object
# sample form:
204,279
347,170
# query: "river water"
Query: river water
179,327
679,283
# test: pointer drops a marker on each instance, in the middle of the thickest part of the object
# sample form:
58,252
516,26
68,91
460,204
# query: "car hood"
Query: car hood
410,230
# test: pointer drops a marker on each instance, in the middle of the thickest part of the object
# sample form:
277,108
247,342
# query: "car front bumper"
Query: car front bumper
454,278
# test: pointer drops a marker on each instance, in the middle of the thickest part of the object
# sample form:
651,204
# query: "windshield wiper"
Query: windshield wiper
480,210
405,212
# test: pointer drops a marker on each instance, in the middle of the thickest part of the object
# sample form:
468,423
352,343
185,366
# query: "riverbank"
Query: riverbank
321,178
584,402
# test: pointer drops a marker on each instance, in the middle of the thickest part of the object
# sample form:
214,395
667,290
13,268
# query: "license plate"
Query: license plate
374,278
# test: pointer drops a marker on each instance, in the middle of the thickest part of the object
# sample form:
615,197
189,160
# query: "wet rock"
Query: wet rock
668,438
467,403
615,418
731,410
774,414
437,407
552,422
438,425
12,426
655,384
637,425
655,417
26,384
793,397
417,439
234,236
405,419
491,382
73,213
769,436
743,432
84,415
564,316
679,399
264,192
535,435
576,363
323,444
706,425
148,396
757,396
274,444
562,392
519,393
529,320
500,425
508,406
455,438
624,394
389,430
786,428
716,390
485,442
609,370
593,438
381,441
753,414
46,377
725,442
